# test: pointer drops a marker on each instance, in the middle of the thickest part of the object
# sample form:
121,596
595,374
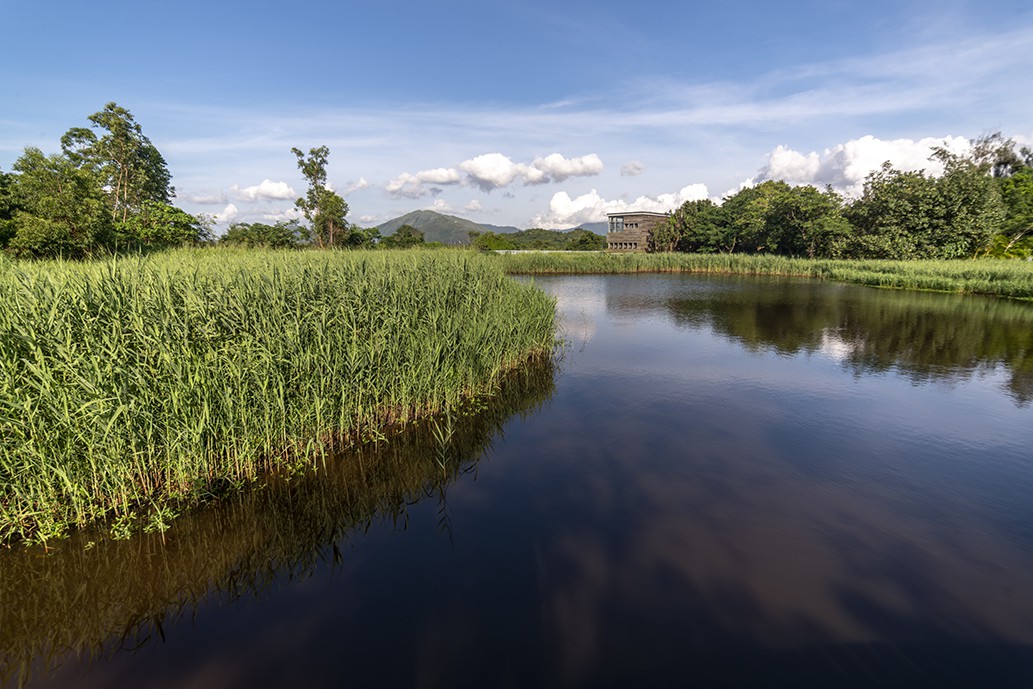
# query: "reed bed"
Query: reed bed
1001,278
133,386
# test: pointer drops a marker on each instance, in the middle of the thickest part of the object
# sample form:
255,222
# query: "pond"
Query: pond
720,482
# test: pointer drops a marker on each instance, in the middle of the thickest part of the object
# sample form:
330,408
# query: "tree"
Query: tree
129,166
746,218
803,221
321,206
282,235
60,208
1015,239
404,237
490,241
696,226
160,225
584,240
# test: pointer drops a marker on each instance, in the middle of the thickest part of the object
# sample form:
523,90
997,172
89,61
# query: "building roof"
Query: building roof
659,215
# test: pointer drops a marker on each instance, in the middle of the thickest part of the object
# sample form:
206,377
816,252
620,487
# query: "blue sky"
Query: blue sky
518,113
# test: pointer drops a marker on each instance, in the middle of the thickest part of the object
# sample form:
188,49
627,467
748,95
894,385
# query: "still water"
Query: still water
721,482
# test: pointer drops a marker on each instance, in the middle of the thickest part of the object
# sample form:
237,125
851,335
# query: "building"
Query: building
629,231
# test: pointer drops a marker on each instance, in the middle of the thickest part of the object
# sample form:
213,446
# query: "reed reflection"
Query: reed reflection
91,595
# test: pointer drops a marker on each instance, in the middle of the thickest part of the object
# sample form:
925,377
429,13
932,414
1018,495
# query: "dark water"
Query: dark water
723,482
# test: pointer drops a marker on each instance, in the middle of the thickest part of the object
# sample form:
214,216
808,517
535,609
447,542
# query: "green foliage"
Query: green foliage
539,239
908,215
696,226
60,208
581,239
282,235
404,237
7,208
126,162
159,225
152,380
324,209
490,241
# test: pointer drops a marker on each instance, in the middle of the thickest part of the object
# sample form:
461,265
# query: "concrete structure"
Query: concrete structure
629,231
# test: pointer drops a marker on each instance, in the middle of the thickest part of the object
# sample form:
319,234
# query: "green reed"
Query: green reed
1002,278
130,385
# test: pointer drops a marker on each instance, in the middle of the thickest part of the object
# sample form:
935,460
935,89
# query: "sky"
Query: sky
518,112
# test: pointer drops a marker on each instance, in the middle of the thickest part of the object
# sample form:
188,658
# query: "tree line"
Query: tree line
109,190
982,205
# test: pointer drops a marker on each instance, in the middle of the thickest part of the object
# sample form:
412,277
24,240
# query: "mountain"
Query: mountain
438,227
448,229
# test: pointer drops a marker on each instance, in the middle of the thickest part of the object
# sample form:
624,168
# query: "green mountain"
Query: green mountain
438,227
449,229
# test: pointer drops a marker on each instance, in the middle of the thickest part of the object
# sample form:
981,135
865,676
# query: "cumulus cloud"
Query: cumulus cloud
474,206
632,169
266,190
282,216
845,166
227,214
556,168
494,170
414,186
565,211
361,184
441,206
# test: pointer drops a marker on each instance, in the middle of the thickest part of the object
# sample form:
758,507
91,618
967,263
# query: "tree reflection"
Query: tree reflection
925,336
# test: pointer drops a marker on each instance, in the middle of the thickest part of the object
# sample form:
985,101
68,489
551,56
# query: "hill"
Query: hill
438,227
449,229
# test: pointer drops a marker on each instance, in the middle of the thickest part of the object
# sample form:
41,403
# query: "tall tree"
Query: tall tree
60,208
322,207
130,167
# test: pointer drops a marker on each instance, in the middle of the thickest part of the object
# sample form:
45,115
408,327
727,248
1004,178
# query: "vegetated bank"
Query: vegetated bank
1003,278
132,387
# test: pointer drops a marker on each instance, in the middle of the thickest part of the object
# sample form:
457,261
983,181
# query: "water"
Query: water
723,482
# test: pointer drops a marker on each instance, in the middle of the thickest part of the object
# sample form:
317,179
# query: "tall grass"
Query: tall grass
131,385
993,277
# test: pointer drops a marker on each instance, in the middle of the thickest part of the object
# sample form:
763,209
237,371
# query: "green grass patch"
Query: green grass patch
1001,278
131,387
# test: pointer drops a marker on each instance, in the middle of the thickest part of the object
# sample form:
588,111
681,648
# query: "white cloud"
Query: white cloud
361,184
494,170
203,198
412,186
565,211
845,166
441,206
367,218
282,216
474,206
440,175
227,214
556,168
632,169
266,190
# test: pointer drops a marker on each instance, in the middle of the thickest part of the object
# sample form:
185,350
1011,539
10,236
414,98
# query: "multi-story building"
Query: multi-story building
629,231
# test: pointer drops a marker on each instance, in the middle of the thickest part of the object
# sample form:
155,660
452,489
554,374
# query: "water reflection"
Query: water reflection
924,336
717,492
94,596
